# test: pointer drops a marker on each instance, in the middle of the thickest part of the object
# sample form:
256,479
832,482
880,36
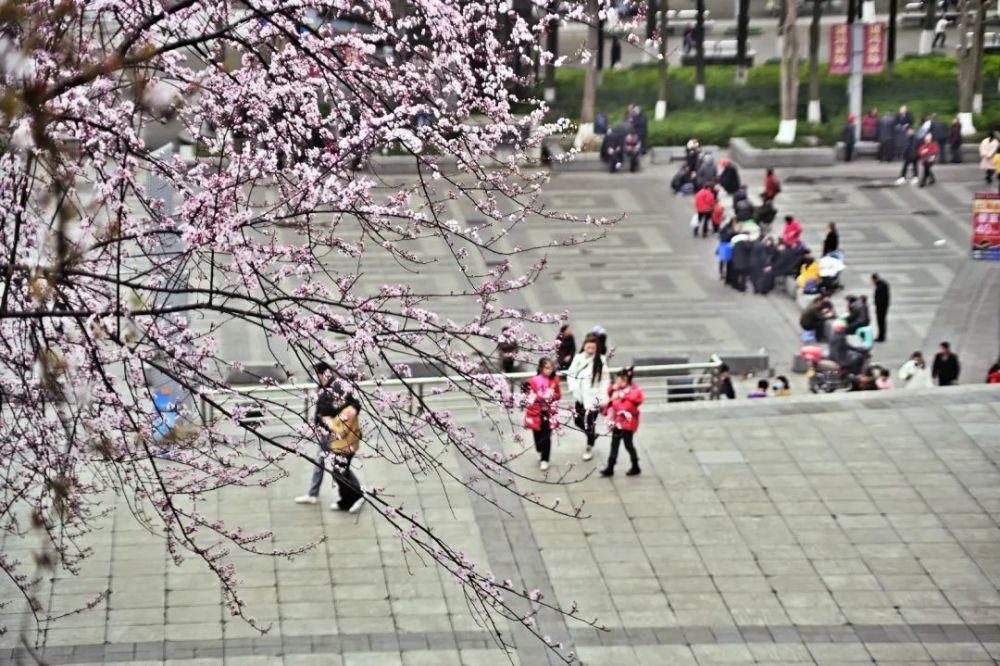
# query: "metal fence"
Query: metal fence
267,404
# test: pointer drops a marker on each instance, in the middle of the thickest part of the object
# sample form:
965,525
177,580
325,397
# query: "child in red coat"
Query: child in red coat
538,416
623,417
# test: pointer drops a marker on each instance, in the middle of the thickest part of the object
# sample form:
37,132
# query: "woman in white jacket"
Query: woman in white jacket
588,381
914,373
987,149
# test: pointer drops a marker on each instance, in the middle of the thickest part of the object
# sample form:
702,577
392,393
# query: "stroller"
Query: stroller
830,268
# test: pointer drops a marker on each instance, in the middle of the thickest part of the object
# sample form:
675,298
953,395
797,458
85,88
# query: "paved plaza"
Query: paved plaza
858,530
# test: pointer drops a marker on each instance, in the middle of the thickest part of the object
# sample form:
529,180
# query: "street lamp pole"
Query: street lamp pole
855,80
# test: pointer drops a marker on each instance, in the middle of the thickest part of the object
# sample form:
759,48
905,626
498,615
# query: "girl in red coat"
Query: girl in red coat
544,393
927,153
623,416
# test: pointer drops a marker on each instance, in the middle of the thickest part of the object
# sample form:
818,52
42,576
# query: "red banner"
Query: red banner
840,48
986,226
873,57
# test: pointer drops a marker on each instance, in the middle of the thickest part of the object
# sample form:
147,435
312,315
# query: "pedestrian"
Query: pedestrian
904,117
641,124
544,393
772,186
946,367
881,305
692,154
884,380
857,313
739,267
987,149
616,52
869,125
724,251
507,346
832,241
791,235
588,382
914,373
911,149
780,388
761,256
927,154
602,339
940,132
939,32
707,171
725,382
955,141
338,432
886,136
729,177
622,412
688,38
567,346
848,136
743,209
764,216
704,202
601,123
809,277
760,391
993,374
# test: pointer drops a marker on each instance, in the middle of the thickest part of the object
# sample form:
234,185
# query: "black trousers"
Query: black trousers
928,174
989,176
586,420
848,152
705,219
906,164
543,441
937,35
347,484
880,315
617,438
955,152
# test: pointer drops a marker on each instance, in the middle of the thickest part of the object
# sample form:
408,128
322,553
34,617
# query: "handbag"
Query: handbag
345,436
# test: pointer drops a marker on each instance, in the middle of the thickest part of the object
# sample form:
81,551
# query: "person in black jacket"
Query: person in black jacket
641,125
832,241
848,136
740,266
881,305
761,273
726,383
940,133
955,140
567,347
729,177
886,137
909,155
330,403
742,207
946,367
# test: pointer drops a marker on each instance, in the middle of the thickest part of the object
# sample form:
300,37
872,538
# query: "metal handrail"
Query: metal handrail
305,390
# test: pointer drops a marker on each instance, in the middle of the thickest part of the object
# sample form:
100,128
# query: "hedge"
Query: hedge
926,84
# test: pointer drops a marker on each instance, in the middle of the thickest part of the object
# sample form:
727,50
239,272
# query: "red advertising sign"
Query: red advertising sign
840,48
873,56
986,226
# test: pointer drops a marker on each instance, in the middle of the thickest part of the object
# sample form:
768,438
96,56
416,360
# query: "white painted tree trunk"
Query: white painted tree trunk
584,135
815,112
699,93
926,39
968,129
660,110
786,131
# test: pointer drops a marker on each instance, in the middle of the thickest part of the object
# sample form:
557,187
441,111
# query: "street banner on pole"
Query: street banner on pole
874,54
986,226
840,48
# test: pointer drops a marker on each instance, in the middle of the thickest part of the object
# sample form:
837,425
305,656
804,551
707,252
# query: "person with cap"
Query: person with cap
848,136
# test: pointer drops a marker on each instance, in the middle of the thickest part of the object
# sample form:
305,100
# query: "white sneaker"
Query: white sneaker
357,505
914,181
544,466
587,455
306,499
901,180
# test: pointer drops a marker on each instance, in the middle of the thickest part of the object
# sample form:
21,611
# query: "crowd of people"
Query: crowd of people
624,143
919,145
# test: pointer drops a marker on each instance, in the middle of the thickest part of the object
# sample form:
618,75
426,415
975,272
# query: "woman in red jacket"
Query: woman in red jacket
544,394
623,415
927,153
704,202
772,186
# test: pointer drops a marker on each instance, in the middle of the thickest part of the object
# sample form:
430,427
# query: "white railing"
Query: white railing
263,404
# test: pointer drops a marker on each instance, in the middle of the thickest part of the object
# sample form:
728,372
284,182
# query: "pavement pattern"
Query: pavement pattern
860,528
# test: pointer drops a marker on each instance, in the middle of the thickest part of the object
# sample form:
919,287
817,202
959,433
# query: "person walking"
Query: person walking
544,393
988,147
946,367
832,241
622,412
939,33
928,154
772,186
914,373
704,202
881,305
955,141
338,432
910,150
567,346
886,134
588,382
848,136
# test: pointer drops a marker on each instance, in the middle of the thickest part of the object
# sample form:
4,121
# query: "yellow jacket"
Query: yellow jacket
807,273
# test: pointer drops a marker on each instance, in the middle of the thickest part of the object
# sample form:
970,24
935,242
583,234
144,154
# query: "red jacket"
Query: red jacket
717,214
704,200
623,408
545,393
928,151
771,186
792,233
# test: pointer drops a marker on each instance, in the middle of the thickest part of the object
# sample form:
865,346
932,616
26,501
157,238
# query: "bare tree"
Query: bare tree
970,54
789,75
814,113
589,102
664,66
699,45
927,29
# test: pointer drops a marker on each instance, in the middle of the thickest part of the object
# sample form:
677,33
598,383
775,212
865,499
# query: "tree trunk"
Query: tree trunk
586,130
552,46
969,56
661,100
699,39
978,45
815,112
742,34
927,34
891,47
789,75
